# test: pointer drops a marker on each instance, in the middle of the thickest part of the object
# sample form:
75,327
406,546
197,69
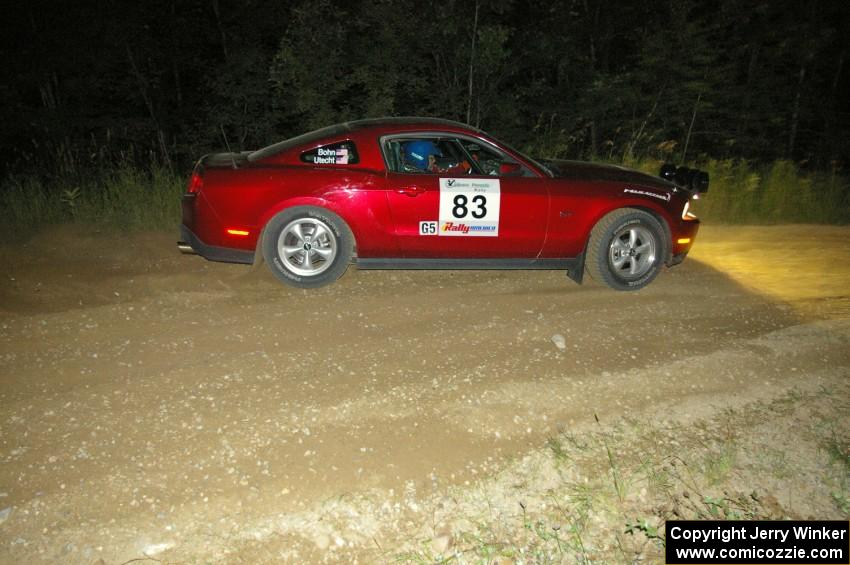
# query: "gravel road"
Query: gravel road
161,405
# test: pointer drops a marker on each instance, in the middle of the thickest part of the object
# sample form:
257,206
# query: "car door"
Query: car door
472,202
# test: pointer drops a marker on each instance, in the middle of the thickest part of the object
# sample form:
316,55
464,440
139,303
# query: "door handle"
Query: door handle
410,190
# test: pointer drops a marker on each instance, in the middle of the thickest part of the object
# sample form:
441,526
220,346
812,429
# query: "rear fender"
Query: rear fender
365,212
299,201
291,203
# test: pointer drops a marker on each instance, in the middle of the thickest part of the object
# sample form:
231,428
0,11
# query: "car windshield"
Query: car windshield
302,139
523,156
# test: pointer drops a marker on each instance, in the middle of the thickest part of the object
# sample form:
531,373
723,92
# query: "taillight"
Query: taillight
196,183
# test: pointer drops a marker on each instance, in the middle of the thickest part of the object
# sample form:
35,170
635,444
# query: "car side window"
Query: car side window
491,162
427,155
341,153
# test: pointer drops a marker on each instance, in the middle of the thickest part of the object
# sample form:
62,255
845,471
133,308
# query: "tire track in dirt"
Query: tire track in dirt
158,397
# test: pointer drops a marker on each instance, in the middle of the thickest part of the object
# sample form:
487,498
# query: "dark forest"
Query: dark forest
584,79
162,82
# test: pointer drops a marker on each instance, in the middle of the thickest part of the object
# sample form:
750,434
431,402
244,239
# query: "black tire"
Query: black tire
307,247
626,250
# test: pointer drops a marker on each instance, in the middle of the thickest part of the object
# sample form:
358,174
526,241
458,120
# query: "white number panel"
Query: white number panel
469,207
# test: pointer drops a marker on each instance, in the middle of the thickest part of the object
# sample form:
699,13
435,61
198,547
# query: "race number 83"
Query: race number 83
460,211
469,207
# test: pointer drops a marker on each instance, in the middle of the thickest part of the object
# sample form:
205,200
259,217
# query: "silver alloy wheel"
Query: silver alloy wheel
307,246
633,252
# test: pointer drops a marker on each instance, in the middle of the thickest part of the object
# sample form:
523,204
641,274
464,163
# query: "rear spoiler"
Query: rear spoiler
693,180
233,160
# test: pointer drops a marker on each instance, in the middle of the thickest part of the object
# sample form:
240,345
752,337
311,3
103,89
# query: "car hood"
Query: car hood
584,171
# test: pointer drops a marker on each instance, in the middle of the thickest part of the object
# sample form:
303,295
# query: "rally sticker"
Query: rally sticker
469,207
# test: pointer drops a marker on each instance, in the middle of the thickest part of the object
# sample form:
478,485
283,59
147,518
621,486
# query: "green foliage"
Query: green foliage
70,198
125,197
347,64
838,449
837,446
239,102
147,198
616,474
556,448
777,192
752,92
648,529
726,79
746,192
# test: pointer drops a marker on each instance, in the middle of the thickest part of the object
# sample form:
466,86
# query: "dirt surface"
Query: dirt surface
161,406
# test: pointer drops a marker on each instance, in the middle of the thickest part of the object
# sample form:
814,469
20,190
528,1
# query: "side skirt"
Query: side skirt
574,266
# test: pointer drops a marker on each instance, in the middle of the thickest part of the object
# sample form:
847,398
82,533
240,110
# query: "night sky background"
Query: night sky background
89,83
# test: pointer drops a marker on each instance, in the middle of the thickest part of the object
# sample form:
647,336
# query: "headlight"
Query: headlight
686,214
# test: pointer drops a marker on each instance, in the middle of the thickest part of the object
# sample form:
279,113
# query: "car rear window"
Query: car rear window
302,139
340,153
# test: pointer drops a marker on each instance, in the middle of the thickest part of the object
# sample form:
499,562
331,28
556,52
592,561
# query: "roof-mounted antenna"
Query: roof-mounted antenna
224,135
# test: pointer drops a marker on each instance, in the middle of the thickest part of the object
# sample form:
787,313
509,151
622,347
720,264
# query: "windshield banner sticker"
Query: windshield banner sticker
469,207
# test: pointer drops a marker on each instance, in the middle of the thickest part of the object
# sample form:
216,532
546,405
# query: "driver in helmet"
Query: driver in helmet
421,155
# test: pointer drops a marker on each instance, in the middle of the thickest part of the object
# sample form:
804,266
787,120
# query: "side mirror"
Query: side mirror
507,169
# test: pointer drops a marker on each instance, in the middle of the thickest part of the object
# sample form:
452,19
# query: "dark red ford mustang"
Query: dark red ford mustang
424,193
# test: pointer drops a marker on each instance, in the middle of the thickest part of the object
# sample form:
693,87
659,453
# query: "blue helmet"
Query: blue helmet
416,153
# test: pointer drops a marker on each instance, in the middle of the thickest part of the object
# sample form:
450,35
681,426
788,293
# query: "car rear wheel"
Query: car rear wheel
307,247
626,249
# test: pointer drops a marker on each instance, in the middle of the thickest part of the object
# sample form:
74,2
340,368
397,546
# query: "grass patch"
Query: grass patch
125,197
742,192
837,447
604,495
128,196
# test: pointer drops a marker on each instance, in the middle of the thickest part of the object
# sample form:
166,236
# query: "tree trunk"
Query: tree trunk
472,64
630,147
217,13
593,141
795,114
690,129
143,89
593,26
743,123
175,67
837,77
143,86
830,128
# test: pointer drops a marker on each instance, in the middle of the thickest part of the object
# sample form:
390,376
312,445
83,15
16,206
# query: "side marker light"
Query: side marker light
231,231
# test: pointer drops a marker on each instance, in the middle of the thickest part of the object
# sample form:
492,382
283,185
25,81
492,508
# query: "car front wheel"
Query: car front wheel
626,249
307,247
